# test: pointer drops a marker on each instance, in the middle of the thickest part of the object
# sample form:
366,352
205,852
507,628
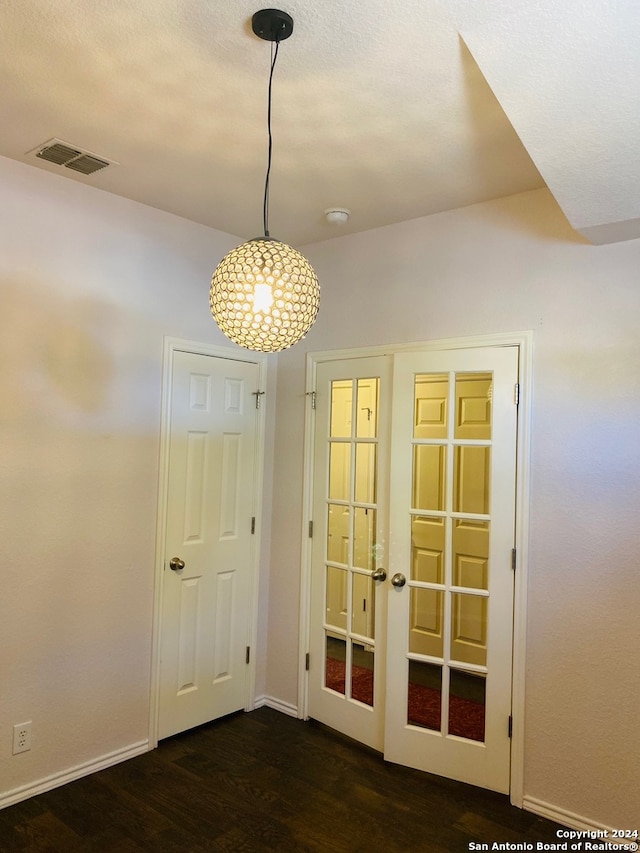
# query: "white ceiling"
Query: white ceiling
378,106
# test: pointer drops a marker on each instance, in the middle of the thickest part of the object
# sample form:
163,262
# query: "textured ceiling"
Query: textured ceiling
379,107
575,101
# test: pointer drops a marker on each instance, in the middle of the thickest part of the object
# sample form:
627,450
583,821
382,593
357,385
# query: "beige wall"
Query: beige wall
90,283
511,265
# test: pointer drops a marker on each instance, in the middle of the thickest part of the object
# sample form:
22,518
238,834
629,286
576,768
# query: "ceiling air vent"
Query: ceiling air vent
63,154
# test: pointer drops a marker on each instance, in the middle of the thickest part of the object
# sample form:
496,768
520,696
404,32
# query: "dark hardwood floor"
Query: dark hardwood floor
264,782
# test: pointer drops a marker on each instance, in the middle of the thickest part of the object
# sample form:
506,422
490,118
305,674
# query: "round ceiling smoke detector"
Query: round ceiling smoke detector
337,215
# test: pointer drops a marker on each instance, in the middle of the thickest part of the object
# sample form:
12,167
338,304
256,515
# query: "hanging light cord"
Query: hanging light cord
265,207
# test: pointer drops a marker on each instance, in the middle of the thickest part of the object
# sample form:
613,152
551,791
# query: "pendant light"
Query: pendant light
264,294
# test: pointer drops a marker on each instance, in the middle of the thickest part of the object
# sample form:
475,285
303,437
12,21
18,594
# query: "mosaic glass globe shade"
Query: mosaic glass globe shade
264,295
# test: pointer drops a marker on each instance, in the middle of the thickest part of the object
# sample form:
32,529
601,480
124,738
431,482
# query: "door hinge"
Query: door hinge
516,394
311,530
306,662
248,657
514,555
253,524
257,395
312,394
510,725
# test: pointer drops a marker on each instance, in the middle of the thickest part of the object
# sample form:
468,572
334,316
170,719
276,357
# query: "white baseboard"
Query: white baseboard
277,705
55,780
571,820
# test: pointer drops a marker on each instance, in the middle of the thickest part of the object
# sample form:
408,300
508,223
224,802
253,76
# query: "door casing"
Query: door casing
172,345
524,341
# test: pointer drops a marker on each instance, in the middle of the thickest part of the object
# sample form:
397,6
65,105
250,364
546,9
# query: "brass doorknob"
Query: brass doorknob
176,564
379,575
398,580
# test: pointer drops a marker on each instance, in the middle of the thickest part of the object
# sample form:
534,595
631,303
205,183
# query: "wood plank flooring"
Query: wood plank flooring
264,782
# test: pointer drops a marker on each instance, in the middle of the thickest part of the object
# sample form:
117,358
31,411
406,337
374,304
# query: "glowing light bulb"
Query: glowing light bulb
262,298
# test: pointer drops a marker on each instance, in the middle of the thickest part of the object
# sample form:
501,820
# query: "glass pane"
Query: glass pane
336,601
338,534
424,695
473,405
467,702
365,487
363,605
426,622
429,476
431,391
471,479
364,536
469,628
471,553
427,549
367,408
341,400
362,660
335,668
339,471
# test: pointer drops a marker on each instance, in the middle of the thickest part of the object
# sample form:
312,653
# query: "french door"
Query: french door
346,666
411,581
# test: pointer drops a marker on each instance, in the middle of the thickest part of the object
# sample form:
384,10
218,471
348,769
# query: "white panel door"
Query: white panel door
208,555
414,475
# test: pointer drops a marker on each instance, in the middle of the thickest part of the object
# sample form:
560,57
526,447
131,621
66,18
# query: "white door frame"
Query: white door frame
172,345
524,341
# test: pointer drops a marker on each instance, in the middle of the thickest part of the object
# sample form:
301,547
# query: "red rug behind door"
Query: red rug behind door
466,718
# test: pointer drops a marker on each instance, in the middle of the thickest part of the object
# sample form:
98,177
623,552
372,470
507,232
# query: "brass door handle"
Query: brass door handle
379,575
176,564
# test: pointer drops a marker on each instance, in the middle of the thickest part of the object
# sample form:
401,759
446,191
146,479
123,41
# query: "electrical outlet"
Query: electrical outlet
22,737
